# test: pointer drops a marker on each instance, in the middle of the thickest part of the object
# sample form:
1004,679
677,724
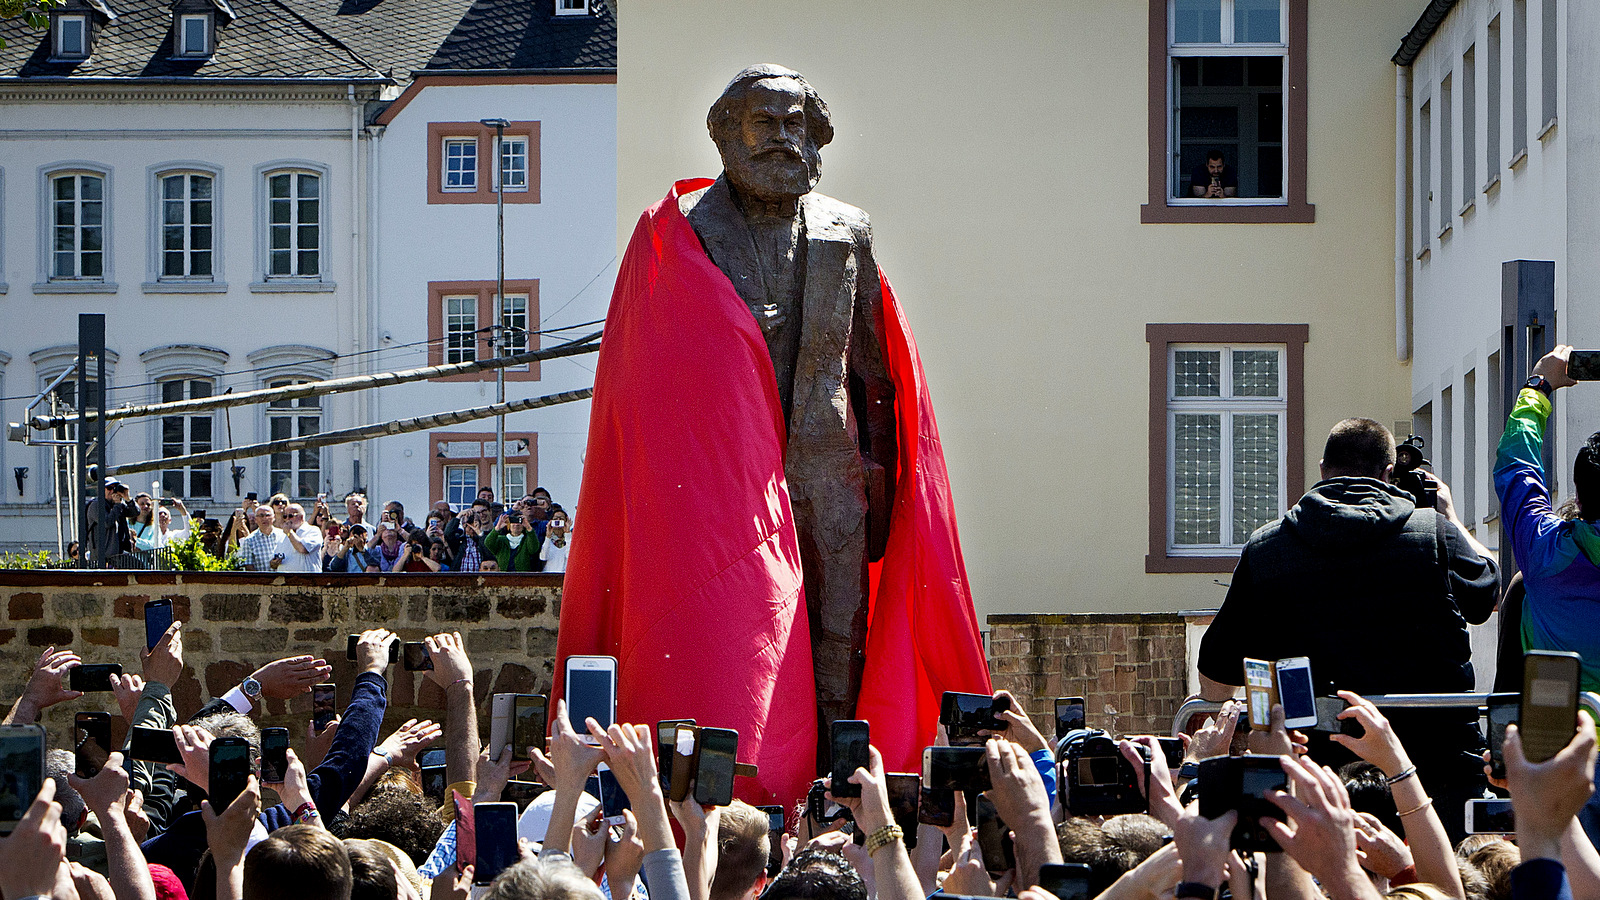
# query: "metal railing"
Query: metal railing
1587,700
144,560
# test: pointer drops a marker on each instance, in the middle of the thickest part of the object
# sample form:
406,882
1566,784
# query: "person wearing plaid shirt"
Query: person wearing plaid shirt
263,551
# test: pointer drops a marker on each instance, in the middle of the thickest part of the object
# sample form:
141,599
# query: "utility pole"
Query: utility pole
499,126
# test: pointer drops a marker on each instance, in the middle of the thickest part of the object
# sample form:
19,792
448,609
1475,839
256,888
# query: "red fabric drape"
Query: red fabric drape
685,564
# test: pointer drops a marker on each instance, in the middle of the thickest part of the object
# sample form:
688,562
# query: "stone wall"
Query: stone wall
235,622
1131,669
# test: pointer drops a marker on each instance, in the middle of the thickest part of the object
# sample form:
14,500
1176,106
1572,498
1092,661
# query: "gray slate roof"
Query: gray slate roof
267,40
395,36
519,35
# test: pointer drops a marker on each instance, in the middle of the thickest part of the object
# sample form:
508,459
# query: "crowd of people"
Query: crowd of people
348,818
533,534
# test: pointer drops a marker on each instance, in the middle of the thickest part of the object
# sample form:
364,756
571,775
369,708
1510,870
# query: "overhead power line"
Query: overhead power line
360,433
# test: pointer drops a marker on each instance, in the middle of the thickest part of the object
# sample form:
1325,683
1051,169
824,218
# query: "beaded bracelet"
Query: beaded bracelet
884,836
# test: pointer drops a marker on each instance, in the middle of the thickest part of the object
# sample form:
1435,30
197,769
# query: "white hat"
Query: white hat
535,820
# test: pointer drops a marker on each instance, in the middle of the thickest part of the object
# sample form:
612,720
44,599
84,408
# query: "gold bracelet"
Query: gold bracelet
884,836
1418,808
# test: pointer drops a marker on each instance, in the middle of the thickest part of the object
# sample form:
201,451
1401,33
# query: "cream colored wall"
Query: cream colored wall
1002,159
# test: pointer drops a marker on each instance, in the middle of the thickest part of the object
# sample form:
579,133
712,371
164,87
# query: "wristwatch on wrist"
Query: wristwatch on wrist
251,688
1540,384
1196,890
1189,769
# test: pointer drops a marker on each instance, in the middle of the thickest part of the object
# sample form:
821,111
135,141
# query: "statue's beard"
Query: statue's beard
771,175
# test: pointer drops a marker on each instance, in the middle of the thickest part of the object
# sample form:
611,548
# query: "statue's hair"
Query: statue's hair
819,123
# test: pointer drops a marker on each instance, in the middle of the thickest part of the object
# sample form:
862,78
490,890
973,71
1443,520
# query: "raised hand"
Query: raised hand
163,663
292,676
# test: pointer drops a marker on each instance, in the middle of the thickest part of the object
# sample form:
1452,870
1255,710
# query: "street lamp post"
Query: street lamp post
499,126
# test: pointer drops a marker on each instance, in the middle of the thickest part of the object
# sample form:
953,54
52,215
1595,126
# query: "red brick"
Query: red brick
7,634
181,610
105,637
50,636
26,606
223,675
131,606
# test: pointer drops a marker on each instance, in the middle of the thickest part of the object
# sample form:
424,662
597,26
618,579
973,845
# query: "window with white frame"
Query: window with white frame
514,323
194,36
514,163
461,485
1226,407
294,225
187,226
1227,117
183,435
78,226
294,472
460,164
460,329
572,7
71,37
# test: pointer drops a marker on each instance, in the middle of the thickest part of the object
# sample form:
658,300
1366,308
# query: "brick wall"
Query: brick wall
1131,669
235,622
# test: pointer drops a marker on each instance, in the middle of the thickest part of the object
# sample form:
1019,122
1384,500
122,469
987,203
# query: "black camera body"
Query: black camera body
1408,461
1100,780
1242,783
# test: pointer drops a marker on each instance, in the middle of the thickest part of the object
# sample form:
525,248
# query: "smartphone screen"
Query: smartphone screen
91,743
1549,714
1260,692
94,678
157,619
905,791
21,771
1295,692
434,781
500,723
153,745
274,755
528,724
936,807
957,768
416,656
1584,365
591,691
496,828
323,705
666,738
1490,817
230,770
1069,881
714,775
613,799
1503,709
1069,715
994,839
1172,749
850,741
775,832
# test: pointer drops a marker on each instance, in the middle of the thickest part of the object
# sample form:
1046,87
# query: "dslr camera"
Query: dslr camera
1242,783
1100,781
1408,477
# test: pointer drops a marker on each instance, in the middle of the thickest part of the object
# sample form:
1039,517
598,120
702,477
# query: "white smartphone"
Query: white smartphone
1490,817
1296,693
500,723
591,692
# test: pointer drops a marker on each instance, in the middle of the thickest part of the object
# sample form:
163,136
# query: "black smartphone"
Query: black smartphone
1172,749
964,715
528,721
775,833
1242,783
91,742
994,838
666,740
936,807
415,656
1069,715
431,762
955,768
155,745
713,778
252,496
21,772
94,678
905,790
613,799
817,805
1584,365
850,740
157,619
323,705
1548,716
1503,710
522,793
230,771
495,825
274,755
1067,881
394,650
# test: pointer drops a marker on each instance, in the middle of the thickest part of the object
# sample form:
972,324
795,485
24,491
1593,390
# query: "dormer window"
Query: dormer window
71,36
572,7
194,35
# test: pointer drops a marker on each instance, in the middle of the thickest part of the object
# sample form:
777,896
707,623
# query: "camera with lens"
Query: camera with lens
1242,783
1100,781
1408,475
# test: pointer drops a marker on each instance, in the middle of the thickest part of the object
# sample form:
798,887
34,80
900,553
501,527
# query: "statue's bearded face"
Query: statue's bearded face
767,155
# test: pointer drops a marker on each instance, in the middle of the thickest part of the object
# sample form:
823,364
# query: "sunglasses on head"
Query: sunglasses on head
278,502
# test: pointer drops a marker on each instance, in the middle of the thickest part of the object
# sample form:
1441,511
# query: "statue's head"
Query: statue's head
770,126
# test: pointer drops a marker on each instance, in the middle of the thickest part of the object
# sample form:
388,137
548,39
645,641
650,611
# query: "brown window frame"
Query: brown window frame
438,132
1158,211
484,291
437,463
1161,336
